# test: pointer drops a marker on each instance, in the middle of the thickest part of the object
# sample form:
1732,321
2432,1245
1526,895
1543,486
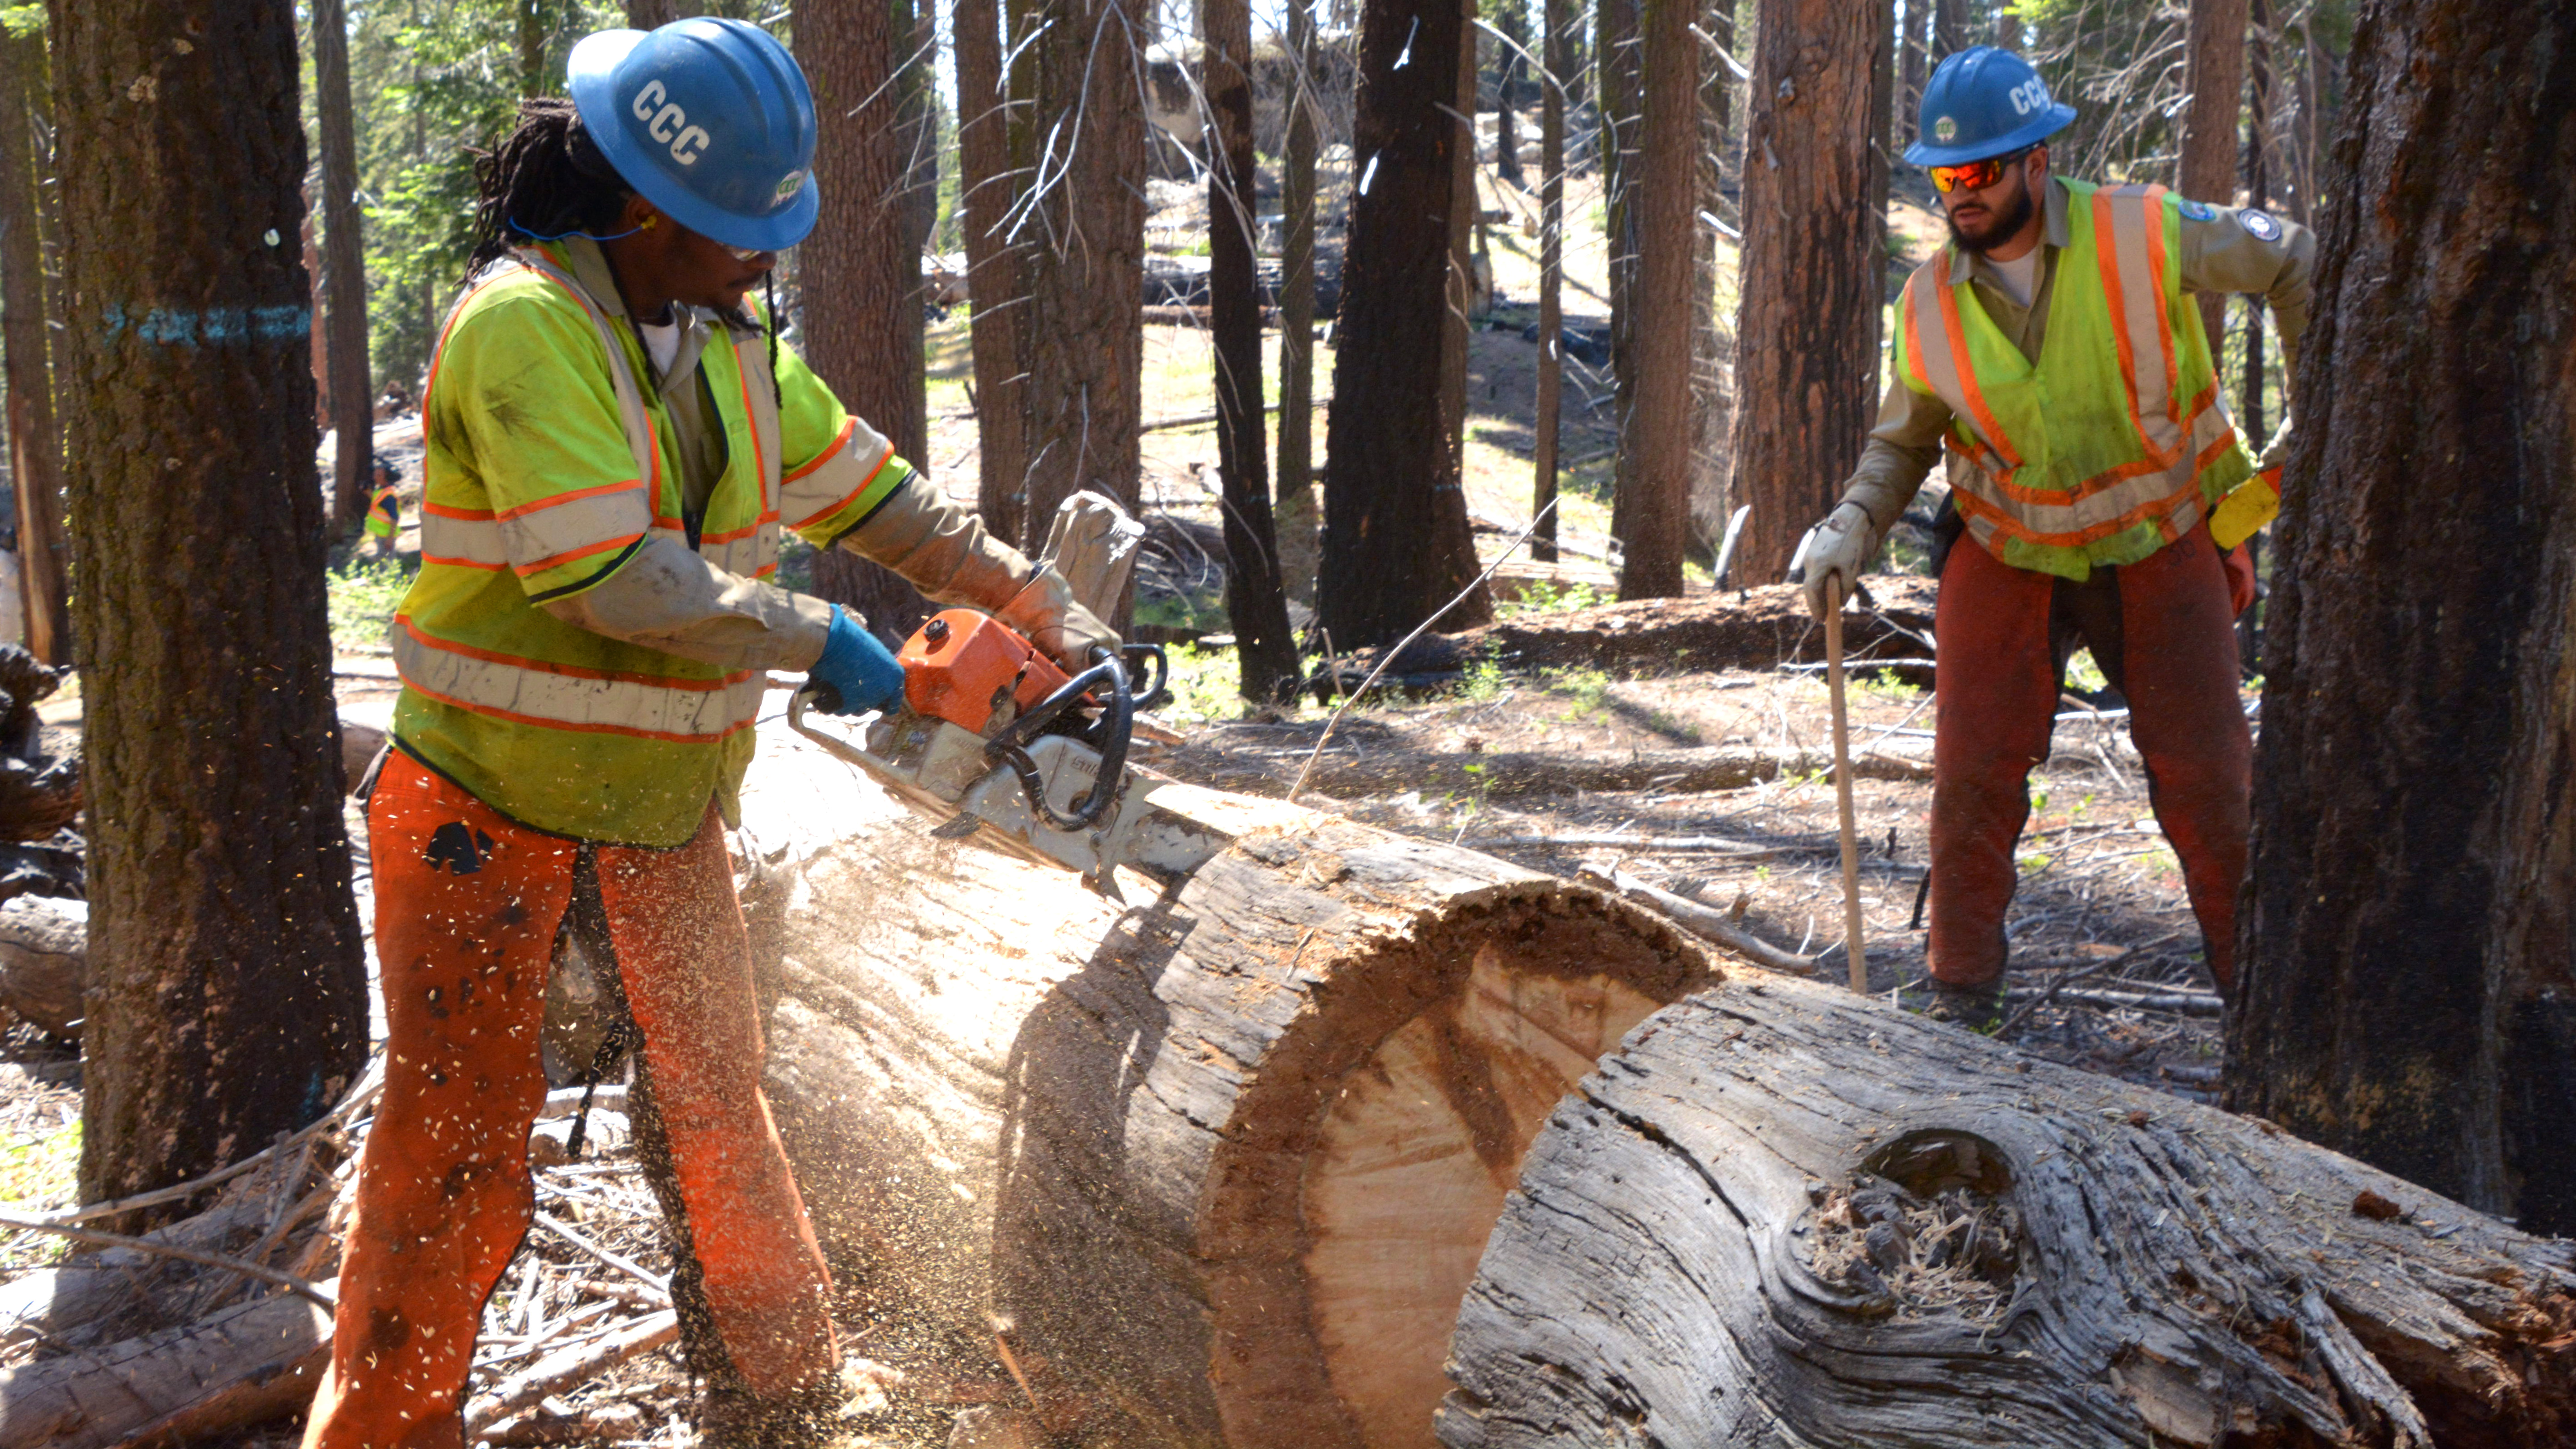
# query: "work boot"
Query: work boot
1979,1008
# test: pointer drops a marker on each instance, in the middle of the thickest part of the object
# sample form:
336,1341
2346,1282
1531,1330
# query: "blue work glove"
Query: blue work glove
855,674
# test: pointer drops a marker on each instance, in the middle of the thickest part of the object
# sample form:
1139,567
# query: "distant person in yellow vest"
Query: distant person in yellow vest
2052,353
615,441
384,506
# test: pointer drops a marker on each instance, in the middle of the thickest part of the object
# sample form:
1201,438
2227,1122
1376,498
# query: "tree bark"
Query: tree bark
987,189
2411,907
862,301
1265,650
2214,73
1712,414
532,48
1223,1160
1787,1216
1618,56
653,14
1456,320
1812,274
1511,18
228,1000
344,275
1396,539
1655,523
1949,29
1910,74
35,446
1544,428
1296,476
1083,334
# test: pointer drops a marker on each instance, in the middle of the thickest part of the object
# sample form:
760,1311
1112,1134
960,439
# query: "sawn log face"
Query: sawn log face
2181,1276
1220,1161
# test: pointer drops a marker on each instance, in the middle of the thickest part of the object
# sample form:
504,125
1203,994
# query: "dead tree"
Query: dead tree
1081,212
1222,1158
228,998
1784,1215
35,447
1544,429
2214,73
1812,275
2407,918
862,300
1396,540
1654,520
987,195
1265,651
351,387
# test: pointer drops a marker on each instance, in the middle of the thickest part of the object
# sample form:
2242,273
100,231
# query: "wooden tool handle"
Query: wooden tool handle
1843,785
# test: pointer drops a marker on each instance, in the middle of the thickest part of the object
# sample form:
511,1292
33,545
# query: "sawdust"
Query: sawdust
1955,1253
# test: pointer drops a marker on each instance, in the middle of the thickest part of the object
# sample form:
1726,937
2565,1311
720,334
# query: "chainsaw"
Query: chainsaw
995,743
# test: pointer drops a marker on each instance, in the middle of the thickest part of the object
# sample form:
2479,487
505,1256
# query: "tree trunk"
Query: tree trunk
532,48
1456,319
35,447
228,999
1655,523
1949,28
1083,334
344,275
1551,277
1910,73
2214,73
652,14
1812,275
2411,907
1511,17
1396,540
986,192
1787,1216
1222,1159
862,301
1711,413
1296,476
1265,650
1618,53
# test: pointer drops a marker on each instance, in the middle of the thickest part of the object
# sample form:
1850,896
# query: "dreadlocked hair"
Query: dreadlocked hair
546,179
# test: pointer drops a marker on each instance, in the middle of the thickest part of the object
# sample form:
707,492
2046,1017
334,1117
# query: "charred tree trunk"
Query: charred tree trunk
1222,1159
35,447
1654,524
986,192
1083,335
2214,73
1265,651
1786,1216
2411,912
344,272
1812,275
1544,430
228,1000
1396,540
862,304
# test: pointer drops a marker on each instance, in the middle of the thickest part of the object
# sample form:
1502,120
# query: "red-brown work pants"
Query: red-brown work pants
467,907
2163,631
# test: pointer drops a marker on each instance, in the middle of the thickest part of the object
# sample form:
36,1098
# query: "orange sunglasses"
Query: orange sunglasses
1974,175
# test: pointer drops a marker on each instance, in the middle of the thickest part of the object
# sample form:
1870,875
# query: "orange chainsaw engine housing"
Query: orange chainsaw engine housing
961,665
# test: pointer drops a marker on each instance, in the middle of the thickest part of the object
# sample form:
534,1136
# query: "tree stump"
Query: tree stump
1218,1162
1786,1216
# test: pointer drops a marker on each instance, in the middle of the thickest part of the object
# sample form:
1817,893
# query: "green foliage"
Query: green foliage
1547,597
2082,673
1482,683
363,596
1206,684
39,1173
21,21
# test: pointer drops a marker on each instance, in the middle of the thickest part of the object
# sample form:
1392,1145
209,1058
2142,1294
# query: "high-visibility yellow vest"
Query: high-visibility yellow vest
2113,443
382,513
545,470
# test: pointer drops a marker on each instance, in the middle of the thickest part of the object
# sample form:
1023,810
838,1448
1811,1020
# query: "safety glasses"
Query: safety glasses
744,254
1974,175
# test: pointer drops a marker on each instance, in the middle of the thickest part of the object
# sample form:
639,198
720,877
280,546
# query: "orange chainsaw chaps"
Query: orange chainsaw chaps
960,665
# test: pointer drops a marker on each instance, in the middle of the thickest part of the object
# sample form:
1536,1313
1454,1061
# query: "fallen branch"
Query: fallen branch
557,1372
1660,844
656,1281
2181,1003
245,1364
96,1238
1706,922
359,1096
1684,771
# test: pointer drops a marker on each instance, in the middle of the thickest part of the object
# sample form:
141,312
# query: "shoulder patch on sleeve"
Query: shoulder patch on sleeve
2198,211
2259,224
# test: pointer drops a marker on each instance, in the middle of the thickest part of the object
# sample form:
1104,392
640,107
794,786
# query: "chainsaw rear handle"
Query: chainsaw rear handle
1116,726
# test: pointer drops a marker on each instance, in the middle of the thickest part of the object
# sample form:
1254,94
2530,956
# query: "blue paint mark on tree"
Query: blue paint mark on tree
214,327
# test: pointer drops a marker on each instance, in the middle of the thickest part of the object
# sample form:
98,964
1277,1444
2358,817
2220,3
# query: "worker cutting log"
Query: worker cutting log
615,440
2052,353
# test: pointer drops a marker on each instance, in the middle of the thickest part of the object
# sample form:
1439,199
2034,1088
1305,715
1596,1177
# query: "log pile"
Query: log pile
1757,628
1784,1215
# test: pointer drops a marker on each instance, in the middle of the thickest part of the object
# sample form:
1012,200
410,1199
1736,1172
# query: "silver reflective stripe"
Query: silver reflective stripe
555,530
843,473
550,697
2139,308
475,542
630,402
760,388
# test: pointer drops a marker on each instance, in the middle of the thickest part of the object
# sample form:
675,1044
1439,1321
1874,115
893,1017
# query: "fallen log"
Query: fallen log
250,1362
1758,628
1784,1215
1217,1162
43,955
1357,772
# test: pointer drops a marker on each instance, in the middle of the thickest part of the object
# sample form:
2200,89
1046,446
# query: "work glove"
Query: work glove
1841,545
943,550
855,674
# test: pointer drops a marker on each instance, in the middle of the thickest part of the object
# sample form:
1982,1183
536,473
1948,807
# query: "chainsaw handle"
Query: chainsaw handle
1116,727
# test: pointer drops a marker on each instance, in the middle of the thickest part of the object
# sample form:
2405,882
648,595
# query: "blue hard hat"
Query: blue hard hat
1984,102
710,120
